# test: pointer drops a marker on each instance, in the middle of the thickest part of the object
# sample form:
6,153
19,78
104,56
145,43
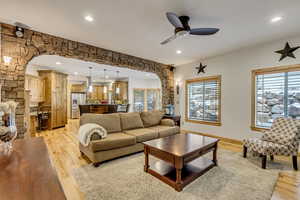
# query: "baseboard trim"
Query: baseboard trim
228,140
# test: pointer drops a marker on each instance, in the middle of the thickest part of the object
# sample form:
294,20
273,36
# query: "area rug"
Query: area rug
235,178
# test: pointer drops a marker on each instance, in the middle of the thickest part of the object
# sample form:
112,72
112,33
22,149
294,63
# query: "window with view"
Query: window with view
203,100
146,100
276,94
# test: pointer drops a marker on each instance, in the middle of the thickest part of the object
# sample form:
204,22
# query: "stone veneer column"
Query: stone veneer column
22,50
12,78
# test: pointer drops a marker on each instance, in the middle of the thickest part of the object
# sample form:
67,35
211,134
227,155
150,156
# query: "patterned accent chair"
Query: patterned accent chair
281,140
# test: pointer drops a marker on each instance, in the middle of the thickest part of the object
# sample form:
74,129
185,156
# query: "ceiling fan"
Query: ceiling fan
182,28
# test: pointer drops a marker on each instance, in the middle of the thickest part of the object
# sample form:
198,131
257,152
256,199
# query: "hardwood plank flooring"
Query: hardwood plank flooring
64,152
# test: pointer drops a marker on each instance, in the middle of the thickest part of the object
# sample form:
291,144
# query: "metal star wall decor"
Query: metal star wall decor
201,68
288,51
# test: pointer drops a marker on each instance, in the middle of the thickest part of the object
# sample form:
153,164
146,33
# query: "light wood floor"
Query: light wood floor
63,148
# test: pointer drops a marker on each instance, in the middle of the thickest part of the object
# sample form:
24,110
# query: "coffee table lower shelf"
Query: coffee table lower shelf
192,170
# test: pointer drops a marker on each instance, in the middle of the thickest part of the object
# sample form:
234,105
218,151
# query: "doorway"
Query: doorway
56,87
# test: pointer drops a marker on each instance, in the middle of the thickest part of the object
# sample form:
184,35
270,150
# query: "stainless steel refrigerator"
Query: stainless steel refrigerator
76,100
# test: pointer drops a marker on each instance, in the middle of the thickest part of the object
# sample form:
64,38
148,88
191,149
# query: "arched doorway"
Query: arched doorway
33,44
122,85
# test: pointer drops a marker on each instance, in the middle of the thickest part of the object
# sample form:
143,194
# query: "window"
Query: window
203,100
275,93
146,100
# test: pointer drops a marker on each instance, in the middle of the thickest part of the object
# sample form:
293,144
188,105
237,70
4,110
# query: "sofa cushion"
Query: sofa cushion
164,131
143,134
111,122
131,121
151,118
112,141
167,122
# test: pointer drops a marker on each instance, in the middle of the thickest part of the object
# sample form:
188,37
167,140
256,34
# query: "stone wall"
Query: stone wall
33,44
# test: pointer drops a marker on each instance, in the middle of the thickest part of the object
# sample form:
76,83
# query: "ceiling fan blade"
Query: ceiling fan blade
204,31
174,20
173,37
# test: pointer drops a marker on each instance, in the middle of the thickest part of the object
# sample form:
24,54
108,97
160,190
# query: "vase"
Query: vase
8,132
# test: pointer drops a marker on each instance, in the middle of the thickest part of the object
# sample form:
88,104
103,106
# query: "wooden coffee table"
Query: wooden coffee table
180,158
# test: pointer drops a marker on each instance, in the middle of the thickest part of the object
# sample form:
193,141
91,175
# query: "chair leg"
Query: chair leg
271,157
245,151
295,165
264,161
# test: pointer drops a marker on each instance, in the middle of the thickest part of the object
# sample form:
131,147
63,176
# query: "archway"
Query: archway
33,44
102,76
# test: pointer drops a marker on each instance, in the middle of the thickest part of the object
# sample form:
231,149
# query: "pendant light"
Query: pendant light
104,80
90,86
118,89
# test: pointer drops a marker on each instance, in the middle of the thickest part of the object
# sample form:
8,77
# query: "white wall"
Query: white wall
235,68
32,70
140,83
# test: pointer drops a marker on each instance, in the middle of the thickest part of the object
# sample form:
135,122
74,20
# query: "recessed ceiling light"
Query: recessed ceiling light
76,73
89,18
178,51
106,76
276,19
58,63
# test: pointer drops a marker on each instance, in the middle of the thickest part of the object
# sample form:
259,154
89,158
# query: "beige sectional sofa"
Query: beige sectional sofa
126,132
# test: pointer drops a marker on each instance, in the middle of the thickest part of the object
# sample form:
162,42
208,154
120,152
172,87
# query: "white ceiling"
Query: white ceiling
137,27
78,70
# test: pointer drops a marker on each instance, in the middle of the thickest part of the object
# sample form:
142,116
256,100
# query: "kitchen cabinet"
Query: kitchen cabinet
98,93
78,88
116,92
36,86
55,97
120,91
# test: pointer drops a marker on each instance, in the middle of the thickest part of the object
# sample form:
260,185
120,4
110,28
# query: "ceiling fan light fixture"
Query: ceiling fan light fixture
182,33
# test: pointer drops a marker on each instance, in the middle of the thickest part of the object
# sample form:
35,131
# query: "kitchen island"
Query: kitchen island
98,108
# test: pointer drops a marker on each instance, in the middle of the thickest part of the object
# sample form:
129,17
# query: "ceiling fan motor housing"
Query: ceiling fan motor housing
185,22
185,26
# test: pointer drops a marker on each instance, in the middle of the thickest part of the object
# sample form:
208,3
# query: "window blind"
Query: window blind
139,100
277,95
203,100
